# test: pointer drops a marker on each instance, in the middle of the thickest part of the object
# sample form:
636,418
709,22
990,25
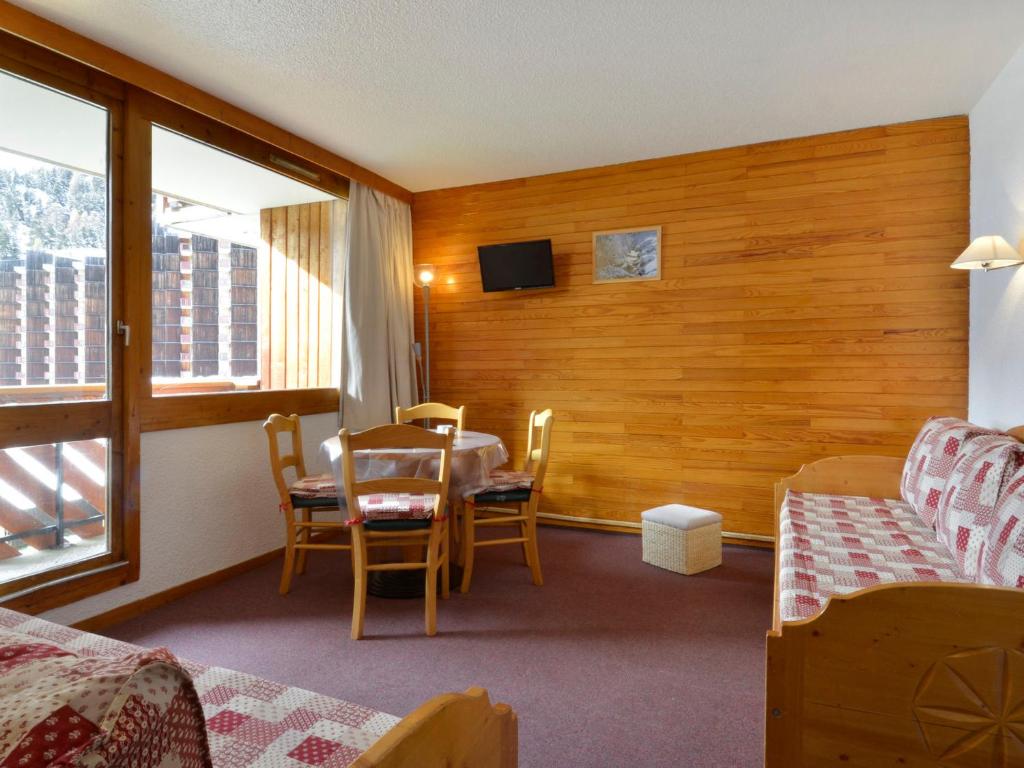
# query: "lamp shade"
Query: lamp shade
988,252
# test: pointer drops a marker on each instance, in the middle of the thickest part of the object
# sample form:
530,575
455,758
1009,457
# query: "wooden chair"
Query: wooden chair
516,490
432,411
298,532
398,512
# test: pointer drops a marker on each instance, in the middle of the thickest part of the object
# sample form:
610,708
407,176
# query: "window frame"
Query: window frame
40,423
179,411
53,56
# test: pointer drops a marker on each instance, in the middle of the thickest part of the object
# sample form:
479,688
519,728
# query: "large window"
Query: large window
152,260
53,245
244,294
58,512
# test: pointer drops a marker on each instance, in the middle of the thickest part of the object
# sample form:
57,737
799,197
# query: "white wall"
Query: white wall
997,208
208,502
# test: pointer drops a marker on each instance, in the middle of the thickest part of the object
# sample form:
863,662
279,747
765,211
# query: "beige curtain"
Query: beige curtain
378,367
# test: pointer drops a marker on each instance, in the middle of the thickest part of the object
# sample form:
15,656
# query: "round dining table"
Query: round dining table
474,455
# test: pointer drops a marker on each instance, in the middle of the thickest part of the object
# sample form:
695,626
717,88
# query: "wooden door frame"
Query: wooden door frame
66,422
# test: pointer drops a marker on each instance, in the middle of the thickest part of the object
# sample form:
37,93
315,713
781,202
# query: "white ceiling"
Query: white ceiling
437,93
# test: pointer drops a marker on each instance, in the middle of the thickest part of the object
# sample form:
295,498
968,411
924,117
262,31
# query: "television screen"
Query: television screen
514,266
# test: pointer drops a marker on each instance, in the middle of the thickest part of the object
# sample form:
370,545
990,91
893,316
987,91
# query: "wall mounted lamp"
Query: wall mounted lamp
988,252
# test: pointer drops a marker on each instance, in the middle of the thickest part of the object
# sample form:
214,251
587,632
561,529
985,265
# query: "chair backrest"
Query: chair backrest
396,437
538,446
275,425
432,411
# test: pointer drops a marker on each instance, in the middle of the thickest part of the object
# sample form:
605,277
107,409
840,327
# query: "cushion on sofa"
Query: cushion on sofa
967,507
930,462
57,707
1002,562
251,722
839,544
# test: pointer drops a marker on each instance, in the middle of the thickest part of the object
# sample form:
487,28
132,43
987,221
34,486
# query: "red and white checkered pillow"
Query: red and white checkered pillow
508,480
967,508
1003,560
60,708
930,463
397,506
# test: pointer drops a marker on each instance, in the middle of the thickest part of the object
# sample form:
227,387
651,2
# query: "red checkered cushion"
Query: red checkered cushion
967,508
251,723
508,480
839,544
60,708
314,487
1003,559
397,506
930,463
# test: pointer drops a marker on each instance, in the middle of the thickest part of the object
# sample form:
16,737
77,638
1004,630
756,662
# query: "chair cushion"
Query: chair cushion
508,480
967,507
397,506
302,502
498,497
504,485
397,525
1003,559
314,486
930,463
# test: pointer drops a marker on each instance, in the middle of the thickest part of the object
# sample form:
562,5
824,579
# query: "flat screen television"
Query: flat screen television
514,266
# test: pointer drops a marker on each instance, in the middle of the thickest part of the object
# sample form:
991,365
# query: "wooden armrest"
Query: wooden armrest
874,476
452,730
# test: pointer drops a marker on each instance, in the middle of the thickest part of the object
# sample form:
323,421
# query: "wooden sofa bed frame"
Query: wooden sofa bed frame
452,730
908,675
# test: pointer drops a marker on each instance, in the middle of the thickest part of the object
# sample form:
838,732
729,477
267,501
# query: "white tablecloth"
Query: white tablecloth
474,455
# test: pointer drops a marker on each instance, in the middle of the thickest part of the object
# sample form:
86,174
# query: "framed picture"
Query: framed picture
627,255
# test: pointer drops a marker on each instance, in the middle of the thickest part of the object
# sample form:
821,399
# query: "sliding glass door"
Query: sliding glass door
60,345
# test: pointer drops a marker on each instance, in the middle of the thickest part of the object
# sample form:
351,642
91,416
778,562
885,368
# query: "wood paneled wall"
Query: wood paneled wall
806,309
296,288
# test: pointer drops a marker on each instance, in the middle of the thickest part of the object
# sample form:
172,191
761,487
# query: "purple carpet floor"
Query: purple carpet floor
611,663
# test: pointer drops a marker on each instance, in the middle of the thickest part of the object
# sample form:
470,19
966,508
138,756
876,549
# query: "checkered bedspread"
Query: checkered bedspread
840,544
251,722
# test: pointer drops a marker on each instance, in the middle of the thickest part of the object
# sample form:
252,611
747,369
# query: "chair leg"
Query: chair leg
524,509
359,574
430,587
460,536
446,561
300,563
468,544
289,555
531,543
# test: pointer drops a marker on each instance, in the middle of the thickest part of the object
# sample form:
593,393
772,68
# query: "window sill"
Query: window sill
182,411
69,589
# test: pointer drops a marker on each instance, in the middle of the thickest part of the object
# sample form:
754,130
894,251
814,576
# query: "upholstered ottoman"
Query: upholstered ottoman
682,539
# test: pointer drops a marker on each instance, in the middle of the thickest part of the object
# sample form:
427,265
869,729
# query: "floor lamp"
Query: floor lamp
424,277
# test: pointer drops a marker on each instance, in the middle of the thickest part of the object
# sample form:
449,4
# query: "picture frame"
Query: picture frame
627,255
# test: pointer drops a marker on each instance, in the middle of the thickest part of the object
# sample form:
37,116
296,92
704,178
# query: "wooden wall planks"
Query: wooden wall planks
807,309
296,288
